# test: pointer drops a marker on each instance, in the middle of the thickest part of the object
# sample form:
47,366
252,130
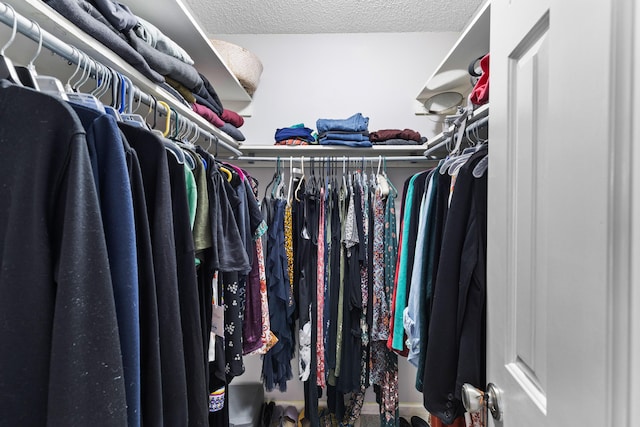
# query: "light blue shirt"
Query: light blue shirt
411,313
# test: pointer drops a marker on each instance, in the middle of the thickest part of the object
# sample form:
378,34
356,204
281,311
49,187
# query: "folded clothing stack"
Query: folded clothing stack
396,137
352,131
297,134
148,50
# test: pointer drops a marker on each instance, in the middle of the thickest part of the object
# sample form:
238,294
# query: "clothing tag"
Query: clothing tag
217,320
214,288
212,347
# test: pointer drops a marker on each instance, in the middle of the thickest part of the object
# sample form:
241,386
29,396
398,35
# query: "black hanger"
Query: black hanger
273,179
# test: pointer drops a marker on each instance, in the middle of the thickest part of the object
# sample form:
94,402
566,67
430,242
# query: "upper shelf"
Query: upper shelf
61,28
452,74
174,19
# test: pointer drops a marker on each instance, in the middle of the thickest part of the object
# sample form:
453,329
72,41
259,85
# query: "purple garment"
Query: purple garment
252,325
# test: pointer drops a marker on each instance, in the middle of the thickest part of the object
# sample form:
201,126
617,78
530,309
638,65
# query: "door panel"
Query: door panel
555,296
519,205
528,93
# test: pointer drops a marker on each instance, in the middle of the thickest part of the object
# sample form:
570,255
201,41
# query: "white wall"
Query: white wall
307,77
311,76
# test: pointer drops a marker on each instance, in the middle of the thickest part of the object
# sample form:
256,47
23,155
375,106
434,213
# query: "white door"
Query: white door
558,321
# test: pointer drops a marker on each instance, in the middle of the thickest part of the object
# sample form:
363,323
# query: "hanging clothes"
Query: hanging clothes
455,353
62,348
276,368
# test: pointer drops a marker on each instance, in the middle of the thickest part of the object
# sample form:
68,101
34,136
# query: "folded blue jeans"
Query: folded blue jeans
345,136
366,143
355,123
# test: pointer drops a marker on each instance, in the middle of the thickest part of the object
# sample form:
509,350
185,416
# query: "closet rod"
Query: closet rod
333,157
475,125
27,28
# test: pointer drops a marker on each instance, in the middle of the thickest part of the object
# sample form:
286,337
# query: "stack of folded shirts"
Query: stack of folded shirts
352,131
151,52
396,137
295,135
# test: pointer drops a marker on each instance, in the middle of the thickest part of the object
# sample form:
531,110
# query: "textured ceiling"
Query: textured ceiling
331,16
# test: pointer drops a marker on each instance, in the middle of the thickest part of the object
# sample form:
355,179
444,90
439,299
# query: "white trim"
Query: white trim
619,290
634,232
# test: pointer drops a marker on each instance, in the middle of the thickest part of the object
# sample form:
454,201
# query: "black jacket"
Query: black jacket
60,352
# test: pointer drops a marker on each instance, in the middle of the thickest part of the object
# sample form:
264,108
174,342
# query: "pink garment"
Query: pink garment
238,170
480,92
208,115
268,338
232,117
320,370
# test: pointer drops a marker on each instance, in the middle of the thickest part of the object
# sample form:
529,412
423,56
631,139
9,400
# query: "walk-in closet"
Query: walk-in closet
266,214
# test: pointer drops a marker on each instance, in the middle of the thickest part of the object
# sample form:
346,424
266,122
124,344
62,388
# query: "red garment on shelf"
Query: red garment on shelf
480,92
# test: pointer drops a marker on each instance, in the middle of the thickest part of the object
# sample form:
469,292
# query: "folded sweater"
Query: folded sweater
77,12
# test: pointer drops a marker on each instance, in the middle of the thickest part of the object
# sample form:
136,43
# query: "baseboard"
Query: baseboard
407,410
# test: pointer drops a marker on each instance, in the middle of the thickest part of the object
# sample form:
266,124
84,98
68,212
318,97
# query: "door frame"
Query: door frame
623,361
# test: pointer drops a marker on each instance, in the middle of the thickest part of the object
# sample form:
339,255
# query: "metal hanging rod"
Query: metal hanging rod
482,122
333,158
72,54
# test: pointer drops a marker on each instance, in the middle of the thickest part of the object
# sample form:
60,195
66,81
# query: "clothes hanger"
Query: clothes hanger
459,125
312,184
138,104
27,74
114,83
127,115
273,179
167,122
276,185
481,167
477,144
344,171
83,62
152,105
381,180
226,172
84,99
47,84
392,189
100,78
106,80
169,144
7,69
196,135
303,178
290,180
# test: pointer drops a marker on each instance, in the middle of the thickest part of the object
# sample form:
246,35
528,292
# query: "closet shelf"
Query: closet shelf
332,151
452,74
175,19
61,28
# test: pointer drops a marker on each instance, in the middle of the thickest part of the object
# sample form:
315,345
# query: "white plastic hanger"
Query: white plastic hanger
7,69
381,181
